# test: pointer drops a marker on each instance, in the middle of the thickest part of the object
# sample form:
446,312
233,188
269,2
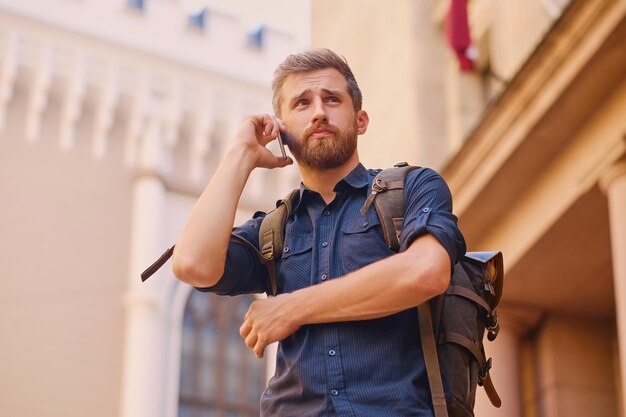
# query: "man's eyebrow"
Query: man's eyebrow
299,96
308,91
332,92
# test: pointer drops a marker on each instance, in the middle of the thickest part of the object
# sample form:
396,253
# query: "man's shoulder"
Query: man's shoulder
419,173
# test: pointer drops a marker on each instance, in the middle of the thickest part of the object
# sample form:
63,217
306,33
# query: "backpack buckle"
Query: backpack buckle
493,326
378,186
268,251
483,373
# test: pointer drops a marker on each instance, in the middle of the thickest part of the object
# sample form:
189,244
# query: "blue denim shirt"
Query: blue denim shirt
357,368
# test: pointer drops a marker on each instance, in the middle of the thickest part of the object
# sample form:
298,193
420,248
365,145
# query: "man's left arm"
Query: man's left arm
380,289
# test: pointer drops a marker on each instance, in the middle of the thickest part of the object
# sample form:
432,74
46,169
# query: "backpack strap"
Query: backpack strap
272,235
387,195
157,264
431,360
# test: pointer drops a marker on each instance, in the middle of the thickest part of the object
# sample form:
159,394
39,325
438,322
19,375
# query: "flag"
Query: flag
458,34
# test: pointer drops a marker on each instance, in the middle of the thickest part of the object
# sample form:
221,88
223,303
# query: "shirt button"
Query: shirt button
332,352
425,209
323,277
326,212
286,249
325,244
334,392
365,224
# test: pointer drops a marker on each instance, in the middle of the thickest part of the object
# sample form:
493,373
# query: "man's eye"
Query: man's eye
332,99
302,102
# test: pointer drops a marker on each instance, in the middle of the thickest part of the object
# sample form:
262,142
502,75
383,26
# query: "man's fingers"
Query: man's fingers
259,348
283,162
271,126
245,329
252,340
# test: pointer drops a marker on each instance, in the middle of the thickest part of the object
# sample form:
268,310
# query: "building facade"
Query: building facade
532,143
113,115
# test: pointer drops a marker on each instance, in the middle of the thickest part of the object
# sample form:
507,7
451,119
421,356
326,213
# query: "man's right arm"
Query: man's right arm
200,252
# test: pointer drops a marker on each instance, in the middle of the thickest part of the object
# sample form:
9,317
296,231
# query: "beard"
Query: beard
328,152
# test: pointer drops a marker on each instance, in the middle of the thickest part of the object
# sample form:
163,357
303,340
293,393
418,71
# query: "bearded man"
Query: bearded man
344,311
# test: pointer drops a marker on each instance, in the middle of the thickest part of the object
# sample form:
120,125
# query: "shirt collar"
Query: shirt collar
357,178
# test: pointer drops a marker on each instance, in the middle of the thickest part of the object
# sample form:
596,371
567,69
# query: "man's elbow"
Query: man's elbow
440,279
194,274
435,277
429,265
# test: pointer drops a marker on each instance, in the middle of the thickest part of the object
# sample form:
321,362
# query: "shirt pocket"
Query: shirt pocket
362,242
294,268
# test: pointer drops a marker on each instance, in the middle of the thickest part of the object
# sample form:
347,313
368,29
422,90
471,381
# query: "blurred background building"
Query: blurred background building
531,136
113,114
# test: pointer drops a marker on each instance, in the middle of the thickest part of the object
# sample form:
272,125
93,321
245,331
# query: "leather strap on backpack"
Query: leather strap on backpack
387,195
431,360
169,252
157,264
272,234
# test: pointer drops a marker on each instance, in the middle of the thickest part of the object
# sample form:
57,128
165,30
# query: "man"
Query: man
344,314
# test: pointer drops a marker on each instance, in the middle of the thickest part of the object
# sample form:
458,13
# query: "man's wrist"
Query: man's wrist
242,155
298,305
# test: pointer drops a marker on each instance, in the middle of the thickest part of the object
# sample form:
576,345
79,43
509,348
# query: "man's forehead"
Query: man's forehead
323,79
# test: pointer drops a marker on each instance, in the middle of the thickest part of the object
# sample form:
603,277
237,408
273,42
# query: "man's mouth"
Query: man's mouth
321,133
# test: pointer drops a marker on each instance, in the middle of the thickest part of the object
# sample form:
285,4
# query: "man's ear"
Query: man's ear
362,121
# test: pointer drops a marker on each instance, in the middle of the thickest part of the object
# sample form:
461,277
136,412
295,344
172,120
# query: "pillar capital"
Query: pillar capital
615,171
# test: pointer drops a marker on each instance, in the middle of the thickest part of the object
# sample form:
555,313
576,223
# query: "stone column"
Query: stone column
614,186
145,362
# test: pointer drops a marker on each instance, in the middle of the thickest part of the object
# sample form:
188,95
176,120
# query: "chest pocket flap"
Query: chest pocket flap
361,224
297,243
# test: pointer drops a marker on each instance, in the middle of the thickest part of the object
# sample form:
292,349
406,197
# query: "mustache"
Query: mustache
309,131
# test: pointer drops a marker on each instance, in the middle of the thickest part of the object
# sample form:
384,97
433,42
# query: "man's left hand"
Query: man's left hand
267,320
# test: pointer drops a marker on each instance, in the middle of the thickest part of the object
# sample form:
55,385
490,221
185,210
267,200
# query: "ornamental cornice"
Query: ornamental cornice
570,71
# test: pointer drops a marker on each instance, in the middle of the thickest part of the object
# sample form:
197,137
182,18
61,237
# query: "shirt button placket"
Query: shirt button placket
335,373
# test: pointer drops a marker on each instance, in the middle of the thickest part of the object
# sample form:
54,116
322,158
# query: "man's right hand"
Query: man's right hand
201,248
254,133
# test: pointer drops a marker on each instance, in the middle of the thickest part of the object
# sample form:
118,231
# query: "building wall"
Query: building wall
532,146
63,272
112,120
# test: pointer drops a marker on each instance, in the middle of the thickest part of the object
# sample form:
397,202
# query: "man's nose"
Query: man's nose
319,112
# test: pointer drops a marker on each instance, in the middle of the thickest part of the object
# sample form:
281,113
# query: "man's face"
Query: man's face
322,125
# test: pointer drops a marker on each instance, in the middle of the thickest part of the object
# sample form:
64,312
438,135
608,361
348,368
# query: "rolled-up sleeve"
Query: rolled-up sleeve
429,211
243,272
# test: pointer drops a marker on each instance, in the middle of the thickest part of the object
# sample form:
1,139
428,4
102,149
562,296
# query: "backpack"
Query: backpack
451,325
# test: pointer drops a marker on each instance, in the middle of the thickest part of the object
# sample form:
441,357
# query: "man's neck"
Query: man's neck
324,182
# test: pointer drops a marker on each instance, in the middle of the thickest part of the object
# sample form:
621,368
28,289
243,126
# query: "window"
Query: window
220,376
256,35
197,18
136,4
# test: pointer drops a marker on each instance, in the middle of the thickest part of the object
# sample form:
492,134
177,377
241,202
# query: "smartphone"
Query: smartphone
282,146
